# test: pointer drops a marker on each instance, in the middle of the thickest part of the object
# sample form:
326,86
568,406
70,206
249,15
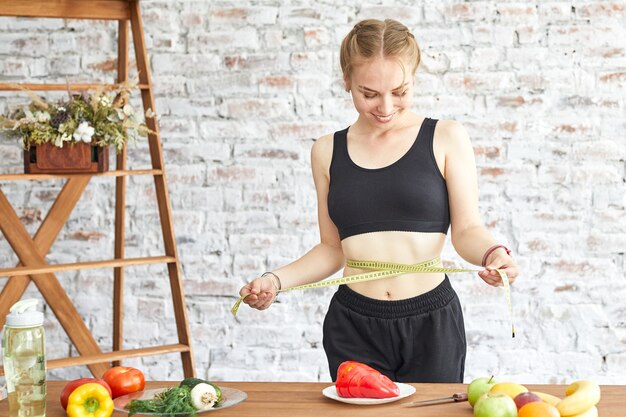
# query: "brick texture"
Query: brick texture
243,88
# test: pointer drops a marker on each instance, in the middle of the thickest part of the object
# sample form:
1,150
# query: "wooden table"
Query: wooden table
294,399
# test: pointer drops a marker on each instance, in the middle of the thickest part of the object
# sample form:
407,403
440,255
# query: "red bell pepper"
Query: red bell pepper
355,379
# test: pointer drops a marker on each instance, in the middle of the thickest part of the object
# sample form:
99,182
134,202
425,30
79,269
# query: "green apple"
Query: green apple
495,405
478,387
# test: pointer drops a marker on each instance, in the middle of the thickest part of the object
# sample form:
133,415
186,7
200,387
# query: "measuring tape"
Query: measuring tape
381,270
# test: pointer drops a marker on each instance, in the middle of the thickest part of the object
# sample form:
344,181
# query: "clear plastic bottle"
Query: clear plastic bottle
24,357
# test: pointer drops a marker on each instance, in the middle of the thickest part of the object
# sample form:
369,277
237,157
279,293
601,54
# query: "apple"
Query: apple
524,398
493,404
509,388
478,387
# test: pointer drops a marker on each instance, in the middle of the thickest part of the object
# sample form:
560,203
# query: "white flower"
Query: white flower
58,141
105,101
42,116
29,116
128,110
113,117
84,132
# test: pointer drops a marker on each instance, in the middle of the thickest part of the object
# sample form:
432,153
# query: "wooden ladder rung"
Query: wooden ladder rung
69,9
60,87
110,263
114,356
116,173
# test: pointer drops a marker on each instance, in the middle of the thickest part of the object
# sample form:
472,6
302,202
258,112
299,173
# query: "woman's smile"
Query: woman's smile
384,119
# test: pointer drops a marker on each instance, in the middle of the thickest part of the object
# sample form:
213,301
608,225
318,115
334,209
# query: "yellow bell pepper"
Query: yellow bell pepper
90,400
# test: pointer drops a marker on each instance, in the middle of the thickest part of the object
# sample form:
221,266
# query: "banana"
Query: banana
591,412
548,398
581,396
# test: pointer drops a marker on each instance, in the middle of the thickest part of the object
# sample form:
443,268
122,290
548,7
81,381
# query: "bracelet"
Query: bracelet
491,249
280,285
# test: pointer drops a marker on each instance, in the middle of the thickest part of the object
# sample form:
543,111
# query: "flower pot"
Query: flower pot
70,159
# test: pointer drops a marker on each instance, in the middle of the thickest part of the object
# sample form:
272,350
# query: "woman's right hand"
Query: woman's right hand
262,292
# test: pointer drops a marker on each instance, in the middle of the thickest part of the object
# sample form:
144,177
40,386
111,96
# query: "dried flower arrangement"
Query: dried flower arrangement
103,117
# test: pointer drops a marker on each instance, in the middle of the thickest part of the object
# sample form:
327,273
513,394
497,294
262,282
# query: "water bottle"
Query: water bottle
24,356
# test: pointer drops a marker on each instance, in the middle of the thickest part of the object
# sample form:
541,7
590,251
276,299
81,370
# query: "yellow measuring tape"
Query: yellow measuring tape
381,270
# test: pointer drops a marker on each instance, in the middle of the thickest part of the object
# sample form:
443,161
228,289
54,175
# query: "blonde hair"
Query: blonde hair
372,38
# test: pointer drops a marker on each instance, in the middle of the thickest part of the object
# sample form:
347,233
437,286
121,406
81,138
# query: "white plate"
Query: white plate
405,391
231,396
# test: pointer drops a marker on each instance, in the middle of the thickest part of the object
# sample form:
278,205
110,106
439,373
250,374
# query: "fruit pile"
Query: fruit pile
490,398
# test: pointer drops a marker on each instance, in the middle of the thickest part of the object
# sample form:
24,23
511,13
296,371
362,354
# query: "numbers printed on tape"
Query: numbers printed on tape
381,270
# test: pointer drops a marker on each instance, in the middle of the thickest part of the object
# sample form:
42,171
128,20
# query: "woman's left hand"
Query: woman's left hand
499,259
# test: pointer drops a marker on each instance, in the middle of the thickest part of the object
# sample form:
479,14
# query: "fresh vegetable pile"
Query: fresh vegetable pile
189,397
93,397
355,379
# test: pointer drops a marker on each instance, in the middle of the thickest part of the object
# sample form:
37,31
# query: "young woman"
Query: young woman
388,188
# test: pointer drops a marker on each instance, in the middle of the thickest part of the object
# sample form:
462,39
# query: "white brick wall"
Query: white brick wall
243,88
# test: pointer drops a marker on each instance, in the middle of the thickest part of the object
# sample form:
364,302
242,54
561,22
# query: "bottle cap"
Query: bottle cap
24,314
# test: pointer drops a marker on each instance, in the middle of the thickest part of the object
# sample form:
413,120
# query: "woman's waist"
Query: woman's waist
426,297
425,266
396,287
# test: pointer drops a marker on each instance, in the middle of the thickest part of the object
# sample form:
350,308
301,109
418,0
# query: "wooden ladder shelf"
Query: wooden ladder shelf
32,251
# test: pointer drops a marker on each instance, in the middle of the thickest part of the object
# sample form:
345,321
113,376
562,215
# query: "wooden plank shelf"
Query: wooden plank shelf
109,263
69,9
114,356
115,173
59,87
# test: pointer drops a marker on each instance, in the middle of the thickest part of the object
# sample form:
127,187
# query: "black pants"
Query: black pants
419,339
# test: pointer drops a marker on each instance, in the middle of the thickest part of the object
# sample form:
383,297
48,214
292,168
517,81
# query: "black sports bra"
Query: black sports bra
409,195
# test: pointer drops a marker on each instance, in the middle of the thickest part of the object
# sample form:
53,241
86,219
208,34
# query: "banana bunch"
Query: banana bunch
580,401
548,398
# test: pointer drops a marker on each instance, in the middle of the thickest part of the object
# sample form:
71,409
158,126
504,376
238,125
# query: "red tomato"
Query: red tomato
72,385
124,380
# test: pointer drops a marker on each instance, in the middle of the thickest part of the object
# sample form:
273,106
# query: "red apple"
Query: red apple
495,405
524,398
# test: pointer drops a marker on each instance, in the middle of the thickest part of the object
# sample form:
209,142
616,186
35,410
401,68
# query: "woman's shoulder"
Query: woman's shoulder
451,133
322,148
325,140
450,128
323,143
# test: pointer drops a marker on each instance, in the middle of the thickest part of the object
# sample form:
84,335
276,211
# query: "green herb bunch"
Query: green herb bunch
175,400
103,117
